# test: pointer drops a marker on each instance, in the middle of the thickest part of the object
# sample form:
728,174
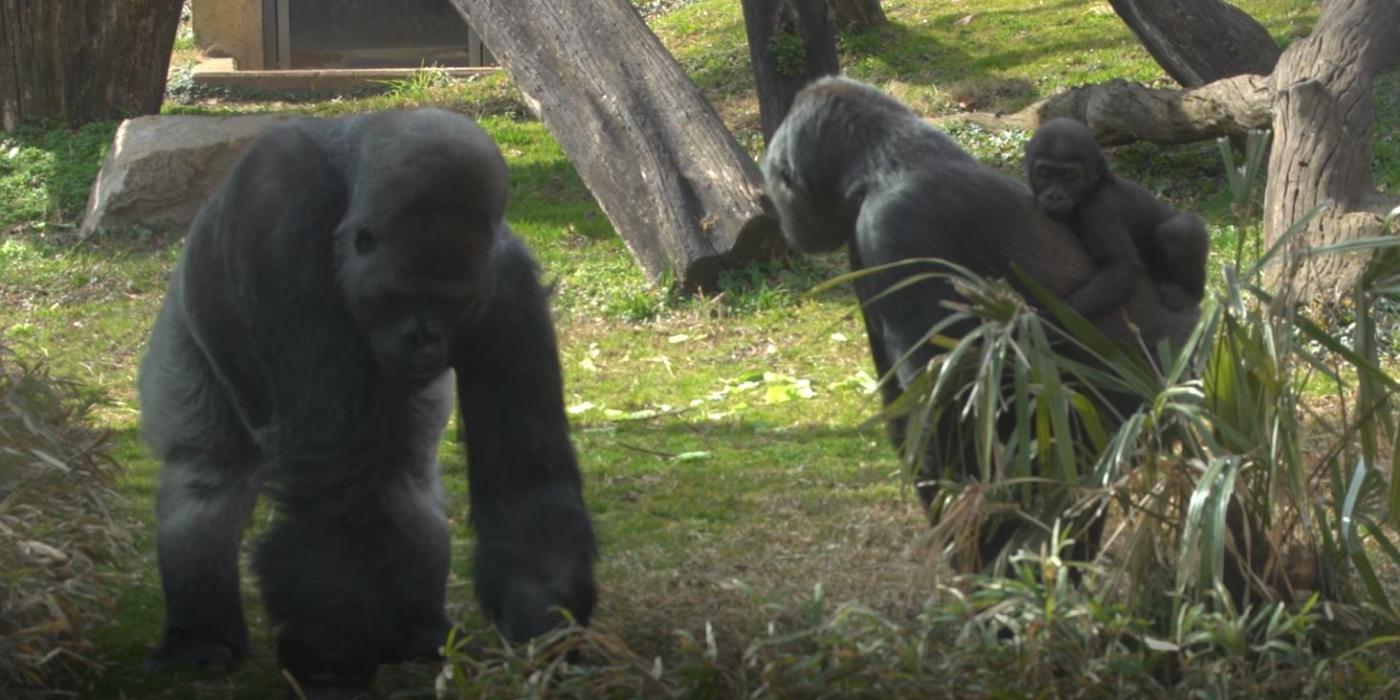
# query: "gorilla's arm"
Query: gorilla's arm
535,544
201,293
1171,245
264,243
1110,244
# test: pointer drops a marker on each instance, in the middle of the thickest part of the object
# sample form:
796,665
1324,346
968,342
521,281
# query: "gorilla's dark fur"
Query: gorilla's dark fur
851,166
1124,227
302,349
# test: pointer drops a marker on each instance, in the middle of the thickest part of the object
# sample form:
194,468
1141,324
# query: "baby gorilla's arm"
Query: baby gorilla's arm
1109,242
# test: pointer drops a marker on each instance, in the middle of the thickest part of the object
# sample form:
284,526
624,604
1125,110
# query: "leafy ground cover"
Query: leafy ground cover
756,538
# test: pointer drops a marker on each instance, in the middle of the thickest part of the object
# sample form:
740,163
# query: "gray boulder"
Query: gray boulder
160,169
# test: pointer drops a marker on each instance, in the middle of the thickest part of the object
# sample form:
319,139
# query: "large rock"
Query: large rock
161,168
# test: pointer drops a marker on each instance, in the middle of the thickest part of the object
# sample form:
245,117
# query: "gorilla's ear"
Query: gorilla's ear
783,172
350,226
766,204
353,238
364,241
1098,161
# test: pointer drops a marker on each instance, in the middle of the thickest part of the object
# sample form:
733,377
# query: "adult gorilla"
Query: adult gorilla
342,268
852,166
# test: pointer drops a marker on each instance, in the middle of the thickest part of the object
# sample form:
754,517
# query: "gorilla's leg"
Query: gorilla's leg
896,325
353,573
890,389
1177,259
535,543
206,493
201,509
416,602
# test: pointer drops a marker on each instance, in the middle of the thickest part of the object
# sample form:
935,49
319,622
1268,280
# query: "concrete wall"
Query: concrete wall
230,29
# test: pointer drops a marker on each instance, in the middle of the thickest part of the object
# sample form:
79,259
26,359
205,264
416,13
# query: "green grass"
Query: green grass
45,175
651,379
719,437
1007,55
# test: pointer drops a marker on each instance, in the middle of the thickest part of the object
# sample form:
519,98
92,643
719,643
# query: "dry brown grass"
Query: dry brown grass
868,557
58,524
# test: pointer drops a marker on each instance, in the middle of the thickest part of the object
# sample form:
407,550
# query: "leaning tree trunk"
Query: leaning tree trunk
1199,41
856,15
790,44
1323,119
77,61
678,188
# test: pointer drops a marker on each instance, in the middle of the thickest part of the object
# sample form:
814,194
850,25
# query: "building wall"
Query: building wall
230,28
235,29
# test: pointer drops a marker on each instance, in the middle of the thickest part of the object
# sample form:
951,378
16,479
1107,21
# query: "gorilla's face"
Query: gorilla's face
810,224
805,171
813,221
1064,165
414,281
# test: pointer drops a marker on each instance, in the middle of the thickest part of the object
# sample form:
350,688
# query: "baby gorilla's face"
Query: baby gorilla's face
1059,186
1064,164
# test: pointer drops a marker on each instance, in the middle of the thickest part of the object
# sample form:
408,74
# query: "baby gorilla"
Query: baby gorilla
1121,224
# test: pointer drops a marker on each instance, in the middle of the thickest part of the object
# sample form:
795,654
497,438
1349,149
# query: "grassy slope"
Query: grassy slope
779,489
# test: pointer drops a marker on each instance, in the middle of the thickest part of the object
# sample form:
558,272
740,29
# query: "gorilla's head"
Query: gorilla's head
1064,165
841,140
414,249
804,173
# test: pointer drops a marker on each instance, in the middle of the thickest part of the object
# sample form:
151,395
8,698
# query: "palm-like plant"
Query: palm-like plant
1195,453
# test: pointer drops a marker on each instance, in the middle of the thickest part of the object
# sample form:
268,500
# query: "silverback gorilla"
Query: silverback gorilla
851,166
302,349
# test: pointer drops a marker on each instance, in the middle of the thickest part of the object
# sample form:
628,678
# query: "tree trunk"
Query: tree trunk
790,44
1121,112
856,15
1319,103
1323,119
77,61
678,188
1200,41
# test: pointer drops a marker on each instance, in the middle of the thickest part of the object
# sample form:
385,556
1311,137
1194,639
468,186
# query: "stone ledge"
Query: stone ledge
221,72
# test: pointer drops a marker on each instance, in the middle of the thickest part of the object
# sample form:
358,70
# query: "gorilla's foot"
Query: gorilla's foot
423,642
331,688
185,648
529,611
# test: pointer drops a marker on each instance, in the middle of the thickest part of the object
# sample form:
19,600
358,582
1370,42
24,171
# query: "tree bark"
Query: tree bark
856,15
1318,102
682,193
1200,41
1121,112
1322,149
77,61
790,45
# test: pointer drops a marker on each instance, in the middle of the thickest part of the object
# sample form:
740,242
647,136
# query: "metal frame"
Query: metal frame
277,38
273,29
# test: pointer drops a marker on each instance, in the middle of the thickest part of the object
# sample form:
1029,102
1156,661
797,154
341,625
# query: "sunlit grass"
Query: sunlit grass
719,437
